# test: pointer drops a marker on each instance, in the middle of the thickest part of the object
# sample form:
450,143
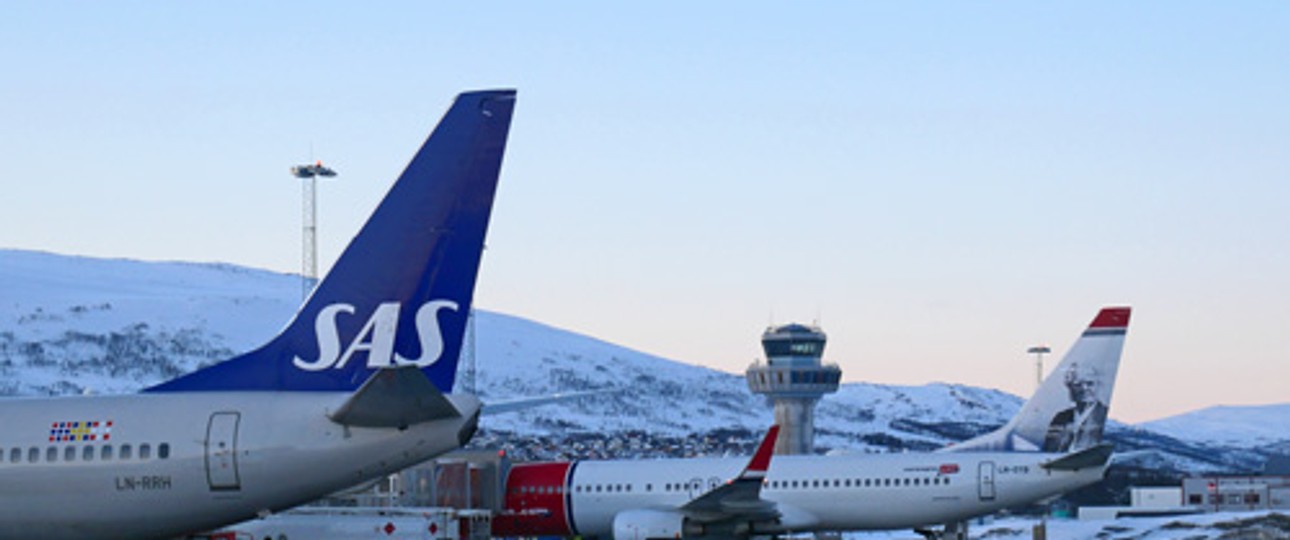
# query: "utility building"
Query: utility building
794,379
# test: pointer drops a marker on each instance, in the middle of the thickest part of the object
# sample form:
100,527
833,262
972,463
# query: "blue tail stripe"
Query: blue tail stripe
401,292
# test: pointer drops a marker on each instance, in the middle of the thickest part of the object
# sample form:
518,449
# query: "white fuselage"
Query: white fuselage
212,458
838,493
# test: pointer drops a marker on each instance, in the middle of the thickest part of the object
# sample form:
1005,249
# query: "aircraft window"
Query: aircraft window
125,451
145,451
815,483
629,488
837,483
597,489
649,487
886,481
87,453
847,483
69,453
105,453
794,483
15,455
51,453
907,481
163,450
33,454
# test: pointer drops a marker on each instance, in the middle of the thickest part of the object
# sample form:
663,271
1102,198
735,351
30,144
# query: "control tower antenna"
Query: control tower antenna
794,379
309,206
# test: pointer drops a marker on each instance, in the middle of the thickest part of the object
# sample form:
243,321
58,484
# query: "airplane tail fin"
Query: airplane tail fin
1068,412
401,291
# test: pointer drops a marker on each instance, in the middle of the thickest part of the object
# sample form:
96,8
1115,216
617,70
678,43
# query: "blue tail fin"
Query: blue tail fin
401,292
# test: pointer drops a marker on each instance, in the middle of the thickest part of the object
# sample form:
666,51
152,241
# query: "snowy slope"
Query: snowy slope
72,324
1247,427
520,357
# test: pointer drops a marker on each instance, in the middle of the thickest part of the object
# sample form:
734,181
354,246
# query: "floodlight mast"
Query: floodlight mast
1039,351
309,204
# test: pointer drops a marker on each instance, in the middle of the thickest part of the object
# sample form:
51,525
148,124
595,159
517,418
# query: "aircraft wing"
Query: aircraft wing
528,403
740,498
395,397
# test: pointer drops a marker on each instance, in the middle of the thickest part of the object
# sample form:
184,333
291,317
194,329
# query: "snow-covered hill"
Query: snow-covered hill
1246,427
72,325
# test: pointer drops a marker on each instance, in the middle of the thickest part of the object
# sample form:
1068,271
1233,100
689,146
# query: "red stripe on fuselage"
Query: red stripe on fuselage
535,501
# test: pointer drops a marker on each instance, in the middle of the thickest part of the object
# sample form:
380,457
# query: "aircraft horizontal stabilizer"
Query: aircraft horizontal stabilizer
529,403
1096,456
395,397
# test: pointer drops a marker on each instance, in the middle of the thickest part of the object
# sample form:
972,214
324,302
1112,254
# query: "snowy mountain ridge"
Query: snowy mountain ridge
71,325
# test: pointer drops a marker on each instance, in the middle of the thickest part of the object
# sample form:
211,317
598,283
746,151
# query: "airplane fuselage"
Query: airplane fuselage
158,465
812,493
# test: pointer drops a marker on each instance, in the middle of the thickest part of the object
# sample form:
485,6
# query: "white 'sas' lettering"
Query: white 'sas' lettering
377,337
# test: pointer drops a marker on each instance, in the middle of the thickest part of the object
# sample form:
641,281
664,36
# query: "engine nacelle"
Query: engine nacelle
650,524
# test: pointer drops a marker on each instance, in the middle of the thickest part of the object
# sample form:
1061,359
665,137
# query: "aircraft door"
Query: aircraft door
695,487
985,481
221,452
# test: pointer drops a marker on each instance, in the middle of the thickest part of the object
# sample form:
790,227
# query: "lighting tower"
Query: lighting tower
309,266
794,379
1039,351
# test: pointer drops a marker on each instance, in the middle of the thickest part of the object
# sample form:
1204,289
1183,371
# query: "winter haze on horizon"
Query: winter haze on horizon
942,185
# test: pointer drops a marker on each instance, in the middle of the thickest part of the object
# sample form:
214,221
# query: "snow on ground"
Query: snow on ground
1233,525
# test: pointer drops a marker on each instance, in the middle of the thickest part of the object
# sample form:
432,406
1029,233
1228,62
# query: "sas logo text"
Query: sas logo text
377,337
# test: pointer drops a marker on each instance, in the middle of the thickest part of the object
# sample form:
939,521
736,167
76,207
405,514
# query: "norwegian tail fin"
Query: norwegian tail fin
401,291
1068,411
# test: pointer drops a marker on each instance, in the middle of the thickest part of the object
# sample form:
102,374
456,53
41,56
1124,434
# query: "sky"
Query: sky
938,185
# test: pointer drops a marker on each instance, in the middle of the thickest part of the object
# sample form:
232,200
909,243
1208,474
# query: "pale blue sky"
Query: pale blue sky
943,184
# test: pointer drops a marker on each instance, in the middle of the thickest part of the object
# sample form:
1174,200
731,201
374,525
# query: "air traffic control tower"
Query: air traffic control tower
794,379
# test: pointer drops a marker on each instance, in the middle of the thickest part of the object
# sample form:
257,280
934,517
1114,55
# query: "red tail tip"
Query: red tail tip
1112,317
761,460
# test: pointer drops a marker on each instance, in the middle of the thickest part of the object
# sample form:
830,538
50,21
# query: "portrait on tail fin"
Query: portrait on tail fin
1079,426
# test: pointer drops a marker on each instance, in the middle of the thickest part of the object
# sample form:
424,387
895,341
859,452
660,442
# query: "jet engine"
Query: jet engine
652,524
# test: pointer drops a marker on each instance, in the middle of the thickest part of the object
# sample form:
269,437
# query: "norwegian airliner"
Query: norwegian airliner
358,384
1053,445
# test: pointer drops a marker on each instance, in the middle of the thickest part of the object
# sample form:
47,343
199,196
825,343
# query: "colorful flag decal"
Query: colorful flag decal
84,431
